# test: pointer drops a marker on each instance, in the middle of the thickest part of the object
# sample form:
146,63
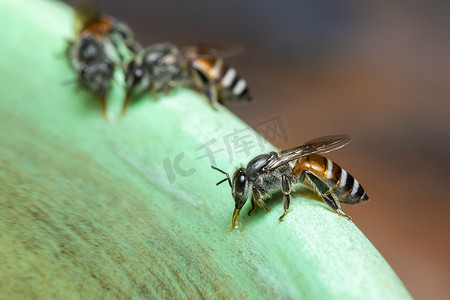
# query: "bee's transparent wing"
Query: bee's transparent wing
319,145
84,12
210,51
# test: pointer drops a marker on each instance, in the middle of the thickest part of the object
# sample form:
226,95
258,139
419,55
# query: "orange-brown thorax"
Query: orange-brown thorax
99,26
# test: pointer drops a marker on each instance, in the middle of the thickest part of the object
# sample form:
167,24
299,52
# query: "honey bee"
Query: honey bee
272,171
161,67
95,50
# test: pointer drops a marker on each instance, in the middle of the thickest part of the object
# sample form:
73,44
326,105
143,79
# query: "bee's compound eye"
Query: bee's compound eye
240,188
240,183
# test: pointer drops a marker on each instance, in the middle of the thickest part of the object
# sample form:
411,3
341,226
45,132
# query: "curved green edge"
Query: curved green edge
87,210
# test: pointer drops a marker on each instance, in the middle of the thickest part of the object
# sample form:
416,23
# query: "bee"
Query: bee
161,67
272,171
95,50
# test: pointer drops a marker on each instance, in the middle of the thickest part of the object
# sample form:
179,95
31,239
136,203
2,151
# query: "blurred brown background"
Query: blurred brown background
378,70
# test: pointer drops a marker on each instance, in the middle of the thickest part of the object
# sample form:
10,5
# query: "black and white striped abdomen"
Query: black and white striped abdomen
348,189
343,185
230,85
231,81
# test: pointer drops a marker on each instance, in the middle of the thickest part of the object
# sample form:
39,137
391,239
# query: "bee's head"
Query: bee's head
240,189
97,76
90,50
136,82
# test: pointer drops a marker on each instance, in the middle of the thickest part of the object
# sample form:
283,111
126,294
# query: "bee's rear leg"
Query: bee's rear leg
325,193
206,86
334,205
286,188
212,94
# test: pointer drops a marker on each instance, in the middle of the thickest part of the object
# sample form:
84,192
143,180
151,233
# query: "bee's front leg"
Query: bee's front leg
257,195
253,205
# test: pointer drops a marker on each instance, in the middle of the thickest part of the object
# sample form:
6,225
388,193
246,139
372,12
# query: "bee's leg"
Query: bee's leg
253,205
213,94
203,84
331,190
117,48
286,188
258,197
153,92
301,178
327,196
125,105
305,178
334,205
104,107
168,87
134,47
195,79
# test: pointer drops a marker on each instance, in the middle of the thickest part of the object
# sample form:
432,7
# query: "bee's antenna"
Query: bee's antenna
223,180
226,174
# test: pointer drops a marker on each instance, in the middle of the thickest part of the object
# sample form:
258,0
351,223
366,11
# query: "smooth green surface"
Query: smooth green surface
87,210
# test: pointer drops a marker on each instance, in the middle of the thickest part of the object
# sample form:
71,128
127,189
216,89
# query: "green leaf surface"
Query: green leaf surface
98,209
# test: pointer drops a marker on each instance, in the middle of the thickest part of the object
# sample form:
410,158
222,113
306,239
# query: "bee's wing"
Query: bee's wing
210,51
319,145
84,12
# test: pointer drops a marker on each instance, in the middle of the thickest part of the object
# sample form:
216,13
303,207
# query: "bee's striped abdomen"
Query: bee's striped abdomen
343,185
232,82
230,85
